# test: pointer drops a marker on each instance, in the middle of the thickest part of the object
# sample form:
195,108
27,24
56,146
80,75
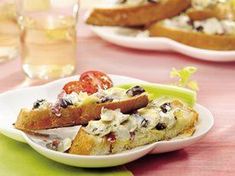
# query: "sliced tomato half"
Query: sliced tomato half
96,79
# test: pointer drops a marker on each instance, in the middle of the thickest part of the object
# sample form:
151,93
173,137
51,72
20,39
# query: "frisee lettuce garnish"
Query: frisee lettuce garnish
184,77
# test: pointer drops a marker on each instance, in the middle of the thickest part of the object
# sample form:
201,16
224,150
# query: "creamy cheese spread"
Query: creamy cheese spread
111,121
201,4
214,26
156,116
182,22
41,104
102,96
211,26
113,93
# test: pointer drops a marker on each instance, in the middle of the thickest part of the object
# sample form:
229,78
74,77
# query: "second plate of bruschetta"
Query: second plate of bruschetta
194,29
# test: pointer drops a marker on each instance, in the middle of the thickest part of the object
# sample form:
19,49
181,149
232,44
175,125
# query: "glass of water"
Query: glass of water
9,31
48,37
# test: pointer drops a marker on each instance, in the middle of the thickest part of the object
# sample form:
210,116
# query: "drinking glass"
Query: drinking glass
9,31
48,37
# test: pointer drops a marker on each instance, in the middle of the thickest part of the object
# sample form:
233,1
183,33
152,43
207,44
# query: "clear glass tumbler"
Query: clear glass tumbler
48,37
9,31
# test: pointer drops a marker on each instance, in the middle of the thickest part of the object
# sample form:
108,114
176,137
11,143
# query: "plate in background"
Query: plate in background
124,37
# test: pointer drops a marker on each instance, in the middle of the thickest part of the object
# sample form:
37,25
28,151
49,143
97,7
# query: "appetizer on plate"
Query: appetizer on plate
116,132
210,33
203,9
75,107
114,119
136,13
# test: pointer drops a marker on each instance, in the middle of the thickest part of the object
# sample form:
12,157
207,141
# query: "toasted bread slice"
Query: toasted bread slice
193,38
37,119
219,10
86,143
137,15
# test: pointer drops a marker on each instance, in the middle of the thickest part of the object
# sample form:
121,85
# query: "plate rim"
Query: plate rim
172,45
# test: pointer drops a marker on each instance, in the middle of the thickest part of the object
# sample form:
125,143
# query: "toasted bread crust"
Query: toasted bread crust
38,119
86,144
195,39
220,11
138,15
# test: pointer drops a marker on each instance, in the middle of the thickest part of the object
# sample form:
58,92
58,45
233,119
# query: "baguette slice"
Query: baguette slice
220,11
29,120
137,15
194,39
89,144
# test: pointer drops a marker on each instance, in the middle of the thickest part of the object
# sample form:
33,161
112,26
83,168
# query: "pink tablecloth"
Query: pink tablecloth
215,154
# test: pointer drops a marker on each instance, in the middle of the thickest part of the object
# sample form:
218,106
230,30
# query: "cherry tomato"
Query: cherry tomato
96,79
78,86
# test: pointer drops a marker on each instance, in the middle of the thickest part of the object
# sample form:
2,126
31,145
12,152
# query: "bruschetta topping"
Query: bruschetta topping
78,99
159,115
161,126
64,103
165,107
106,99
159,111
114,93
98,128
141,121
130,124
73,98
214,26
201,4
111,121
41,104
210,26
179,22
168,119
117,94
111,137
136,90
151,115
229,26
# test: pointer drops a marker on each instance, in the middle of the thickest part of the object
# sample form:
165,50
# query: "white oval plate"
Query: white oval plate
11,102
111,35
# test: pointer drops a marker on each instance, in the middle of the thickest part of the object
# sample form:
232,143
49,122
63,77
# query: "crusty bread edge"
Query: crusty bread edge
194,39
220,11
137,15
86,144
29,120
